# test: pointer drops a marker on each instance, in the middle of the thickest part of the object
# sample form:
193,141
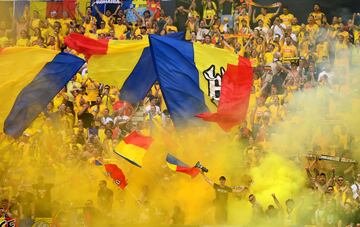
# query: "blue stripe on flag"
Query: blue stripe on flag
36,95
178,78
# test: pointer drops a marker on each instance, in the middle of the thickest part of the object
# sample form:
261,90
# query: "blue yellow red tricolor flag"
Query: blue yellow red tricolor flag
175,164
30,79
124,63
133,148
189,75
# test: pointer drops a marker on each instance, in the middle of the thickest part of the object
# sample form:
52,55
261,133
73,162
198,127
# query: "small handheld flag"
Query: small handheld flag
133,148
116,174
178,166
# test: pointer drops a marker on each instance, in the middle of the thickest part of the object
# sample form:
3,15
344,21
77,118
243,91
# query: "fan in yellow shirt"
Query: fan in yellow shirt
265,16
312,28
322,50
24,40
295,27
288,50
286,17
120,28
318,16
107,16
269,54
244,16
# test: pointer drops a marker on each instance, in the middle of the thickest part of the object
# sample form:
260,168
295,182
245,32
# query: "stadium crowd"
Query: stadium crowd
87,118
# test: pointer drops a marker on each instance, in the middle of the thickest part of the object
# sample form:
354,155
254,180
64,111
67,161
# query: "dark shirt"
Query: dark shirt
221,194
26,199
227,8
105,197
181,18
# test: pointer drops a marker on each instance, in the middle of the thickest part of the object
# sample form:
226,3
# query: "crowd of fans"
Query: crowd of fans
88,118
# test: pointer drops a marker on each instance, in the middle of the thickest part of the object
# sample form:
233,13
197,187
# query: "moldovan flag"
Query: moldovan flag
30,79
175,164
116,174
234,96
133,148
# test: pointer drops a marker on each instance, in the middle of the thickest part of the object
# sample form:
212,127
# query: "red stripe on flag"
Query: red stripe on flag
139,140
234,96
86,45
192,171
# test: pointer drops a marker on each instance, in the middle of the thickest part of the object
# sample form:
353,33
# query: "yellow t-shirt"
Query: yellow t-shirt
247,18
345,34
317,17
171,28
268,58
260,111
322,50
312,29
3,41
52,21
286,19
22,42
265,18
209,14
91,90
104,30
106,19
119,30
304,48
35,23
254,62
296,29
288,51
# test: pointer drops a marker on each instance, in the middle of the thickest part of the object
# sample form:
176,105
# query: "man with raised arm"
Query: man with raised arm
221,197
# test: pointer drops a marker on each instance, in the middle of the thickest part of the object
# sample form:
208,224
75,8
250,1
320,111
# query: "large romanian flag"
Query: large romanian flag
126,64
30,79
133,148
189,74
175,164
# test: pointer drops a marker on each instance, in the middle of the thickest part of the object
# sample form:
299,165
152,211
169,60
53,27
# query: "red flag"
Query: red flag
234,96
86,45
116,174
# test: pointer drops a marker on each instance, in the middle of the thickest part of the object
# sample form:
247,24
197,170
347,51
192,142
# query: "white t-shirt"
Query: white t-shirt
355,188
278,30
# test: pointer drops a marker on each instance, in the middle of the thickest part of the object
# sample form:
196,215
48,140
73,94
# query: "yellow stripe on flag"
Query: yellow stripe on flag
206,56
19,66
171,166
131,152
115,66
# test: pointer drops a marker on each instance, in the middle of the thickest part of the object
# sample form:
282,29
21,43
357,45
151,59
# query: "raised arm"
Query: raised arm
238,189
278,9
116,10
254,16
97,10
207,179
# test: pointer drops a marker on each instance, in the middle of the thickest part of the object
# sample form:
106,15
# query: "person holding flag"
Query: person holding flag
221,197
